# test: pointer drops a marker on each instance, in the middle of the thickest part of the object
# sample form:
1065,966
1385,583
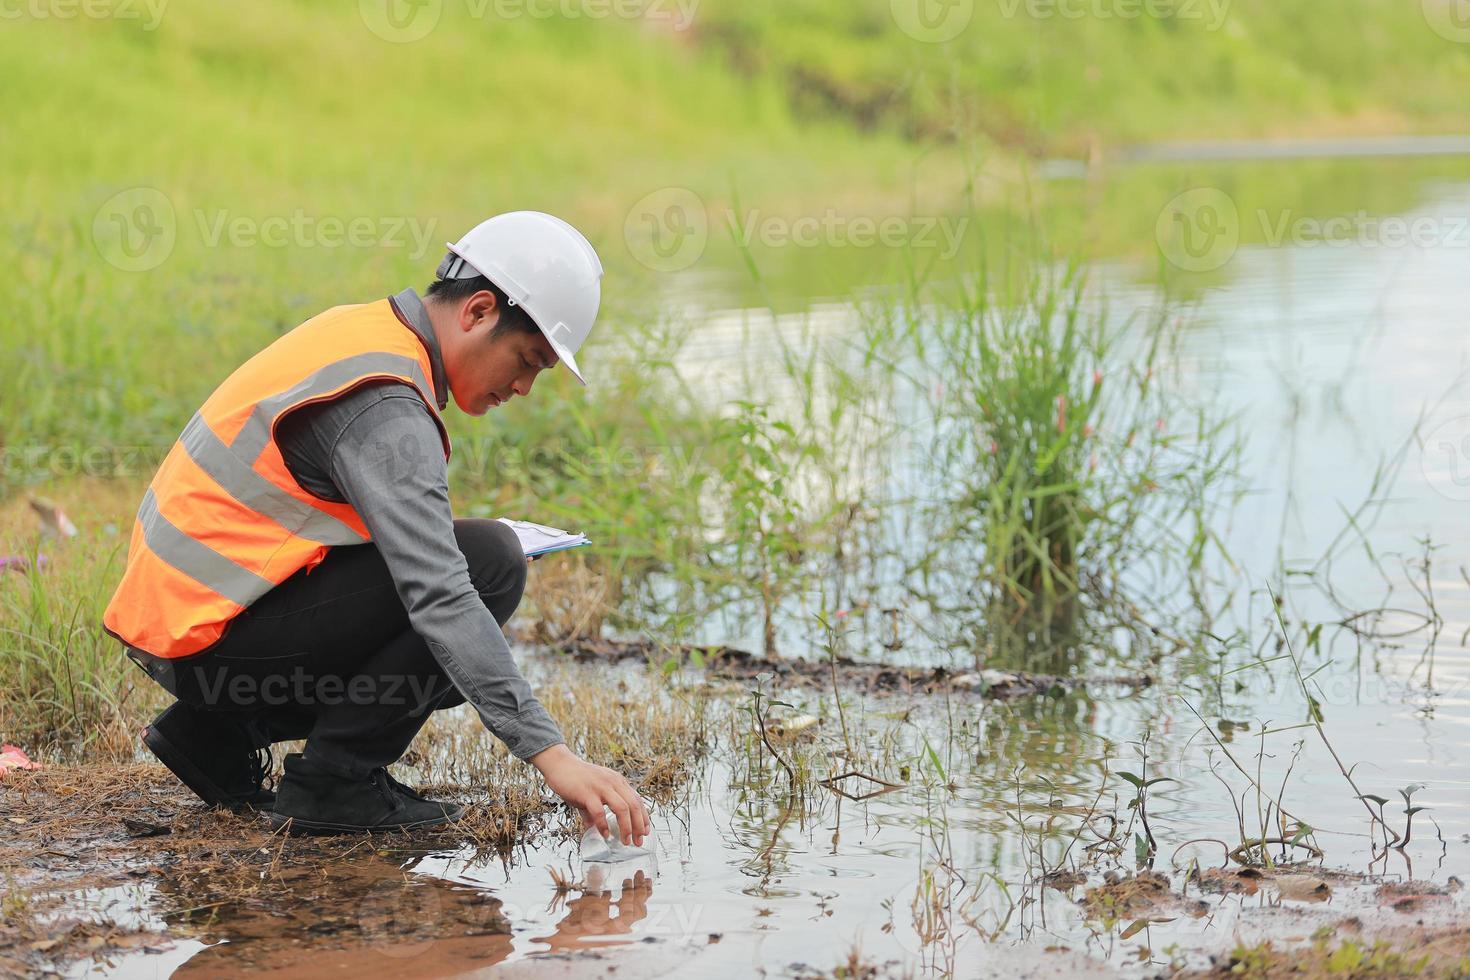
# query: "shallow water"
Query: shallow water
1329,354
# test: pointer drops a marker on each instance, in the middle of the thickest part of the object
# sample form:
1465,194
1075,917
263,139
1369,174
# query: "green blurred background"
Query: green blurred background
259,134
180,183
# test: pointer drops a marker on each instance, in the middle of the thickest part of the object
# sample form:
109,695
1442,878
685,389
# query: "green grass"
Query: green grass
256,113
68,690
1059,438
236,114
259,113
1054,76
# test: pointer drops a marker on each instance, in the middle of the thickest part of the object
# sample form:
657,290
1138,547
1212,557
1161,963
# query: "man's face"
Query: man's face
485,371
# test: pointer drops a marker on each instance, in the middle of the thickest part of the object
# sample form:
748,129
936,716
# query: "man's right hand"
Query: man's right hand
590,788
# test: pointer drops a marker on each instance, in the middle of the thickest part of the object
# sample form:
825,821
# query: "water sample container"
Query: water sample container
595,850
608,866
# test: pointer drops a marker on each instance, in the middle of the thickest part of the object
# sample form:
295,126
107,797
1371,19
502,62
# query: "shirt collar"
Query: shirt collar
410,310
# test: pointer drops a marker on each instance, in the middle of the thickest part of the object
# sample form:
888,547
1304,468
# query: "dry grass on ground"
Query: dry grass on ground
68,829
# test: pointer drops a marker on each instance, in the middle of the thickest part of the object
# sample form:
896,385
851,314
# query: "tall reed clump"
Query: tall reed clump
1065,462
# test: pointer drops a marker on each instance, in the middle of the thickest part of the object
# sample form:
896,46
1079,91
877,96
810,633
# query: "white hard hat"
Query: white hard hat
543,265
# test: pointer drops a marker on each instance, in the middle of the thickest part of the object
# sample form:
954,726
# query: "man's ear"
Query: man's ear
480,306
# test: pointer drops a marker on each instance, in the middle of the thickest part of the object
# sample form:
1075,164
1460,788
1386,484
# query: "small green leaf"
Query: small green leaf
1135,780
934,759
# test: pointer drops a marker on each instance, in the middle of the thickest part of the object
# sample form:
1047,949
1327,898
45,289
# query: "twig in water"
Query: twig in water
1238,855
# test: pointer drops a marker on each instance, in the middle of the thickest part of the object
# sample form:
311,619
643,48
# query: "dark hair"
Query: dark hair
513,319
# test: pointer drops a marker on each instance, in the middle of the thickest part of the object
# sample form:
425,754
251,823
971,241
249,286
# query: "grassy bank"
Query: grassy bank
1068,76
260,129
251,142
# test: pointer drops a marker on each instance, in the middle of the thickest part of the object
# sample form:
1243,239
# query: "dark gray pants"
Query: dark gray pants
330,655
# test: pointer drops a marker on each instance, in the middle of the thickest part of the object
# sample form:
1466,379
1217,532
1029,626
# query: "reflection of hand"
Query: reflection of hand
590,788
590,916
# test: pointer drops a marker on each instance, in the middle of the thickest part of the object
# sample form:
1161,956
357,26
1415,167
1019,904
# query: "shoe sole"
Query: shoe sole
191,776
298,825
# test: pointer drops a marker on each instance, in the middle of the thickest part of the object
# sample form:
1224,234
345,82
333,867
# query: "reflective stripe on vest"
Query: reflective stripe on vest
232,473
257,429
224,521
198,561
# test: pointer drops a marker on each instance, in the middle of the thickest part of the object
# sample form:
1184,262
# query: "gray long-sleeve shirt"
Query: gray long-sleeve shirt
378,448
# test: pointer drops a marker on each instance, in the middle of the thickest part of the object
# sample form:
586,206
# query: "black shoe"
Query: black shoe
315,798
217,755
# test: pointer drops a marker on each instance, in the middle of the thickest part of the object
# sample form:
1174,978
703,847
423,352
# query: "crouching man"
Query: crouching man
295,572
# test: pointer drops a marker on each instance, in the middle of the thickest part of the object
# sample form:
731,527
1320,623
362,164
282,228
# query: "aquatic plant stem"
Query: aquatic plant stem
1314,712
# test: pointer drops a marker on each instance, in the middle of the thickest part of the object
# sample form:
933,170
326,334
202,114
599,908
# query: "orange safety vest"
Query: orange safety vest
223,521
